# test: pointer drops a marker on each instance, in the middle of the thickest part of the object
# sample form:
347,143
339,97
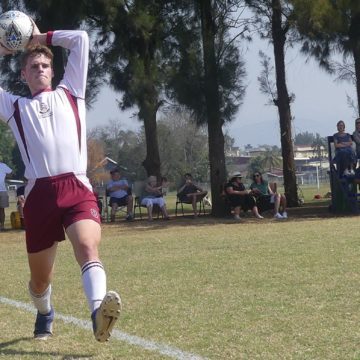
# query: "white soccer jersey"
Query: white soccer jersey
50,127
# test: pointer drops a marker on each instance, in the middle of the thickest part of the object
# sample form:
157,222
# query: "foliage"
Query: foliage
304,138
183,147
274,21
182,144
266,162
318,145
7,144
187,83
255,164
329,28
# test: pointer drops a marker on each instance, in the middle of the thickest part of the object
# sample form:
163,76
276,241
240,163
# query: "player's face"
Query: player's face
38,73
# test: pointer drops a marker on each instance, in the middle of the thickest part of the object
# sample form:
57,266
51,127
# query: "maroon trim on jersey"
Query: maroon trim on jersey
49,36
17,119
41,91
73,102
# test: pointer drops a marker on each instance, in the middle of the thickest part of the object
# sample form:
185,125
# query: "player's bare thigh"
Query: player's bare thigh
85,238
41,268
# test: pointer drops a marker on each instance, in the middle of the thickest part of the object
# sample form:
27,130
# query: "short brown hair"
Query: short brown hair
35,50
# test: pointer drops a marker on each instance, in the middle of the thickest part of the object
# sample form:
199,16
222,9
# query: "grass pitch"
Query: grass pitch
213,288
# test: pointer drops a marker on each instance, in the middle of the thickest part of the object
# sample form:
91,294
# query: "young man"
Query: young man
4,196
50,130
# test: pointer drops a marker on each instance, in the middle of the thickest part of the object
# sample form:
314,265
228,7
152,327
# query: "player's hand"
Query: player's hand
5,51
36,36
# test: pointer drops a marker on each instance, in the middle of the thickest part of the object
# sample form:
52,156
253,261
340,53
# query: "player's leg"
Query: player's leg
114,207
104,306
41,271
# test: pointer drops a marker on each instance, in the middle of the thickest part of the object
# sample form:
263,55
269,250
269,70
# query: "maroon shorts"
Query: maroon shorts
52,205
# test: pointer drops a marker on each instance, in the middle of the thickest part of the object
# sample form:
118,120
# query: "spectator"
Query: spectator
191,193
267,198
153,195
345,157
120,194
239,197
356,137
97,197
4,197
20,196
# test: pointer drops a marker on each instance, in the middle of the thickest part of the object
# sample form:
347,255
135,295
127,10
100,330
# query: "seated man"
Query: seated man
120,194
190,193
239,197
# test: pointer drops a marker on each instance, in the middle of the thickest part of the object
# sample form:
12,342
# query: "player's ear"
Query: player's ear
22,75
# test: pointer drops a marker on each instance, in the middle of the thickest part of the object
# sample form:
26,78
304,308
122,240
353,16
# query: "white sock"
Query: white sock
94,283
42,302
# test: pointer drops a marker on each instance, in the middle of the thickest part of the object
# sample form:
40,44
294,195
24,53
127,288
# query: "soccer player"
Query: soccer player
50,130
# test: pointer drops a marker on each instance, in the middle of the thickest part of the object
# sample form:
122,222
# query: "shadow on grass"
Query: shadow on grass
311,211
12,353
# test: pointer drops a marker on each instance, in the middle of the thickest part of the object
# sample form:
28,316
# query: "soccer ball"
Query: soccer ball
16,29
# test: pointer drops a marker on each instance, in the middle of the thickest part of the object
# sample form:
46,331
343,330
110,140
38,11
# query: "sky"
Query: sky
320,102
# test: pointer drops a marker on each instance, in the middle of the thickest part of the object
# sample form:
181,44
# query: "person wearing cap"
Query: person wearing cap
120,194
239,197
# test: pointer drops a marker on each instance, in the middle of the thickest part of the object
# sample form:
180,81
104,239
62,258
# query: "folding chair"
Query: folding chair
181,203
121,209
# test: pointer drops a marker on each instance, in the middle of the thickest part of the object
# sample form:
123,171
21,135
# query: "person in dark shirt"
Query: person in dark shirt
239,197
191,193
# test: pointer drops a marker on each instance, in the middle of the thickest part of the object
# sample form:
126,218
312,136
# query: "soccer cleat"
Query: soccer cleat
278,216
43,325
284,215
129,217
237,217
105,316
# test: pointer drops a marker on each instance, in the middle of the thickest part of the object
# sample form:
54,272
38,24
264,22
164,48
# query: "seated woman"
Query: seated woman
345,157
191,193
266,198
239,197
151,196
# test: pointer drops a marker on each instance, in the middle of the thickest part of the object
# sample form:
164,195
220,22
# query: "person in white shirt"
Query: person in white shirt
50,130
4,196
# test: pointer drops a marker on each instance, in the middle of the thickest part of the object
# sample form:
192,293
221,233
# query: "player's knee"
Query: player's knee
38,286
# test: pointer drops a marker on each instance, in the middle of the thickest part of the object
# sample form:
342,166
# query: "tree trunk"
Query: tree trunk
283,104
152,160
215,123
148,107
356,55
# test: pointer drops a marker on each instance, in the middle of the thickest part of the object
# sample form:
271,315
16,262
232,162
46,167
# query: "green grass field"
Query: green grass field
206,288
